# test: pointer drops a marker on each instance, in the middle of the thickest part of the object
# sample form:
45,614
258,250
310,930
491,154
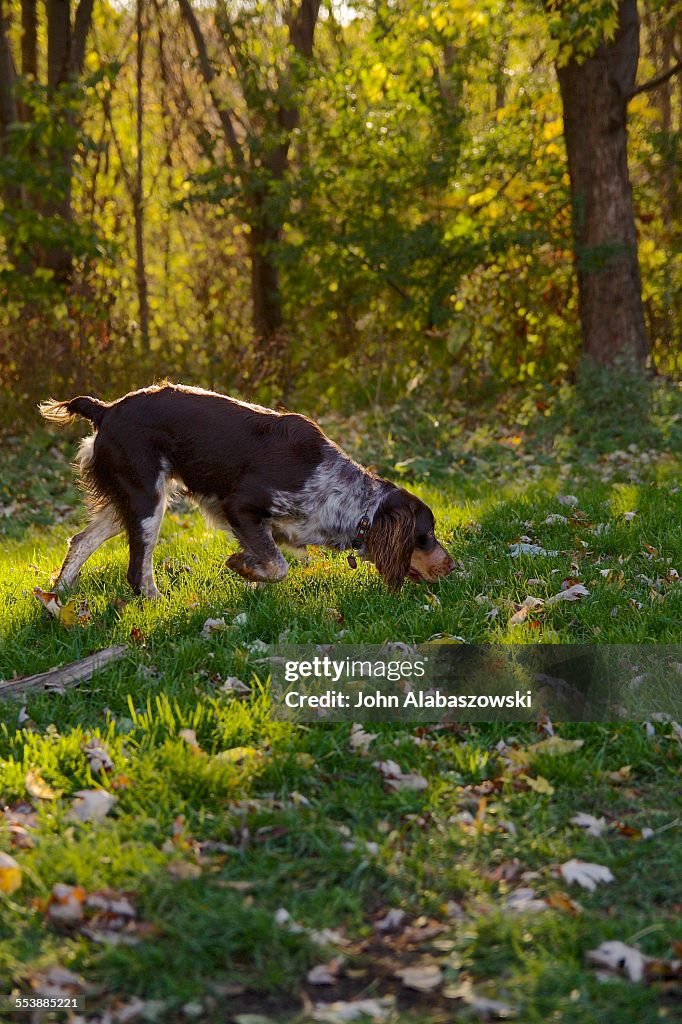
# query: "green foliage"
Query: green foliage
420,228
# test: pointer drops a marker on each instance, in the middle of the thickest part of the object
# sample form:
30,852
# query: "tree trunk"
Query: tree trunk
11,193
595,95
265,291
8,106
138,197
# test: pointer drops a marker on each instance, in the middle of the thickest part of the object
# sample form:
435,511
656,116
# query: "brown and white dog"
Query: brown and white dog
268,477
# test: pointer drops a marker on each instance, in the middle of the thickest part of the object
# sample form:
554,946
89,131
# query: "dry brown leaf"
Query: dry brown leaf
38,788
561,901
65,905
50,601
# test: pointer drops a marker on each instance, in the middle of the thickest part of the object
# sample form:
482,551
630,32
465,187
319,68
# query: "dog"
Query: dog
268,477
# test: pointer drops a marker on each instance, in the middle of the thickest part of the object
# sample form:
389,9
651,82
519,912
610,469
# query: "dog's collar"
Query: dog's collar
361,531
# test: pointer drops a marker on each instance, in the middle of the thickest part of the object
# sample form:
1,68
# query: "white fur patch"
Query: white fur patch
327,510
104,524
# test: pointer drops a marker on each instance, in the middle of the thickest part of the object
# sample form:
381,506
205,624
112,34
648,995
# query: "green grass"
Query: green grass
309,856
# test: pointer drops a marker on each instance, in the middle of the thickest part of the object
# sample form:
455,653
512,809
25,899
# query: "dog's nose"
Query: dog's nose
449,565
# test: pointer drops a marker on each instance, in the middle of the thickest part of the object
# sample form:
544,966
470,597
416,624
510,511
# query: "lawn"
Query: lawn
242,853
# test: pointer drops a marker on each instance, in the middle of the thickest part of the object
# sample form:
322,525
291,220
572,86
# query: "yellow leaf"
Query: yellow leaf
38,788
241,755
304,760
539,784
555,745
74,612
553,129
10,874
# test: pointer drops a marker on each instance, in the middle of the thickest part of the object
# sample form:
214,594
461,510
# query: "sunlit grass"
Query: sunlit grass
296,812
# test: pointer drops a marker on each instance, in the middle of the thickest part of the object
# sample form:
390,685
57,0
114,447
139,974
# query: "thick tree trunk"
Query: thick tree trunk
595,96
65,55
29,38
8,106
265,291
138,198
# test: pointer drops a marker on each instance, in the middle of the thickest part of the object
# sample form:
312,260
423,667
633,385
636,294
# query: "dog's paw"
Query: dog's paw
247,567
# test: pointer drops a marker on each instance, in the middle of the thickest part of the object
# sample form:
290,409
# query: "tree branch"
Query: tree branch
209,77
654,83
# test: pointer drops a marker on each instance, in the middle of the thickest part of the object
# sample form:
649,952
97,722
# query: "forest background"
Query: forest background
337,206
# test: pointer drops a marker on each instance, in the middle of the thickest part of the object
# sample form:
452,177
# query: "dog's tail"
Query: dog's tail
63,413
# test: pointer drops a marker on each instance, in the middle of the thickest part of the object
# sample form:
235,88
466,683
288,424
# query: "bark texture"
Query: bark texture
595,95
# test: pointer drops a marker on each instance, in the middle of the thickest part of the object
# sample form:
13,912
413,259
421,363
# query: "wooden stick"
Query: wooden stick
65,676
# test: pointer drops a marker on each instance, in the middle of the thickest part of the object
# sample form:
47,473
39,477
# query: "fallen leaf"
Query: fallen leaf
397,779
422,977
10,874
65,905
484,1007
190,738
392,921
620,777
359,739
538,784
554,519
525,548
340,1012
56,982
561,901
525,901
49,600
593,826
573,593
555,745
38,788
91,805
235,686
98,756
212,626
585,874
521,610
568,500
618,956
74,612
325,974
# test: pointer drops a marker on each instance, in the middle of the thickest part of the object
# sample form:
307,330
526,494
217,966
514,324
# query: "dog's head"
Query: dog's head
402,542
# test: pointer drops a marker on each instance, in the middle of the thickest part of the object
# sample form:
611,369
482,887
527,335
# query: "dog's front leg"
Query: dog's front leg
260,561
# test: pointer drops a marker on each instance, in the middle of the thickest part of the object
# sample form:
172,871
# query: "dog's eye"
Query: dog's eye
422,540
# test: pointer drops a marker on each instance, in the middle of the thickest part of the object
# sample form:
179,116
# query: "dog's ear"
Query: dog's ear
391,539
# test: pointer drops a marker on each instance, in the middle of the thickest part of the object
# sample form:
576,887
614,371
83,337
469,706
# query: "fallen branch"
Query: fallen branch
67,675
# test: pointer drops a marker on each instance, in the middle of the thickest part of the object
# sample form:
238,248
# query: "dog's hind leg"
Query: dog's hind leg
143,521
105,524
